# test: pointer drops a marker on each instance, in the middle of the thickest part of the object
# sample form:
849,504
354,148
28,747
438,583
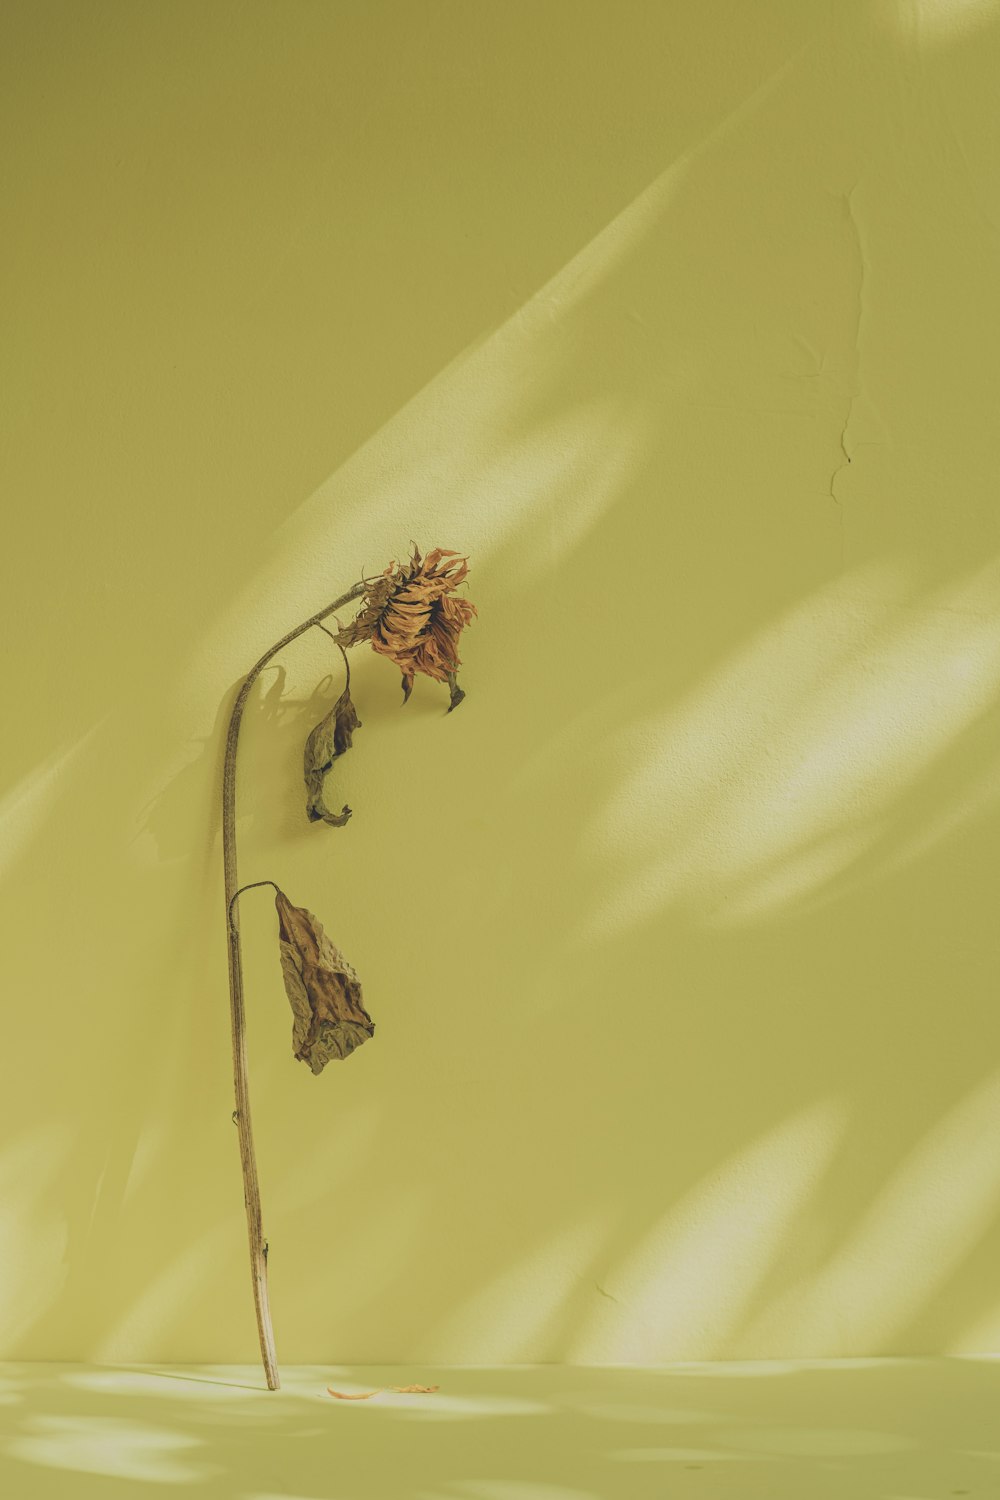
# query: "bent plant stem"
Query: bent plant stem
251,1188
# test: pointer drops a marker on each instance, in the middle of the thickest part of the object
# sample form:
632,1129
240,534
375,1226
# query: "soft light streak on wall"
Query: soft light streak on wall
785,765
451,462
938,21
511,1318
26,808
460,458
680,1291
152,1314
32,1224
930,1213
381,1241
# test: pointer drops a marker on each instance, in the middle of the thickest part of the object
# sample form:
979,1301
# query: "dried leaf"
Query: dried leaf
329,1020
331,737
412,615
366,1395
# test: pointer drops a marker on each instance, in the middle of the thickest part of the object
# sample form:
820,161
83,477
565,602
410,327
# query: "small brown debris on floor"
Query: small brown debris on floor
366,1395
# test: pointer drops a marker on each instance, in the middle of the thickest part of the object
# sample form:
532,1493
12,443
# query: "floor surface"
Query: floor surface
891,1429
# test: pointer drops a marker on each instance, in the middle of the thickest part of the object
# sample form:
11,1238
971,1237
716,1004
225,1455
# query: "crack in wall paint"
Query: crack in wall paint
846,449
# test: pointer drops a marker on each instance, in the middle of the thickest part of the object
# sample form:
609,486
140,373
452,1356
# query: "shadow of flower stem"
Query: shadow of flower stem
251,1188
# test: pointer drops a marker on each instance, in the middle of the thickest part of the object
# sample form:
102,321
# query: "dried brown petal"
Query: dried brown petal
329,1020
366,1395
331,737
376,597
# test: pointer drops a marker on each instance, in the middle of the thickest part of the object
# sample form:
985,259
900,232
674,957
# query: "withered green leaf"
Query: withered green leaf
328,1018
331,737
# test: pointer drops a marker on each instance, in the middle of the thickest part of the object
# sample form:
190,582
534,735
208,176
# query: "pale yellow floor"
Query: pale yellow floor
892,1429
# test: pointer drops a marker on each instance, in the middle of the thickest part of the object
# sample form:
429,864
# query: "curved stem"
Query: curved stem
347,664
251,1188
250,886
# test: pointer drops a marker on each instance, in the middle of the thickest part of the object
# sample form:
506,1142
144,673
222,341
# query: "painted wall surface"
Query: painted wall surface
681,934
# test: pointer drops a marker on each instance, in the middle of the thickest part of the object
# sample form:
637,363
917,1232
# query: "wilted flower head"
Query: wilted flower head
329,1020
412,615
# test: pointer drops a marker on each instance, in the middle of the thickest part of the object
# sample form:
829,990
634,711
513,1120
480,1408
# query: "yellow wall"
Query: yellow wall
680,936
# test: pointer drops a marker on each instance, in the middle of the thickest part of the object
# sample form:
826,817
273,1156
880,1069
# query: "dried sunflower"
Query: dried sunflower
412,615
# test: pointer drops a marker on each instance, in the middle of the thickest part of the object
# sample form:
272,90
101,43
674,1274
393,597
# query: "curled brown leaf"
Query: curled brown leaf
331,737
